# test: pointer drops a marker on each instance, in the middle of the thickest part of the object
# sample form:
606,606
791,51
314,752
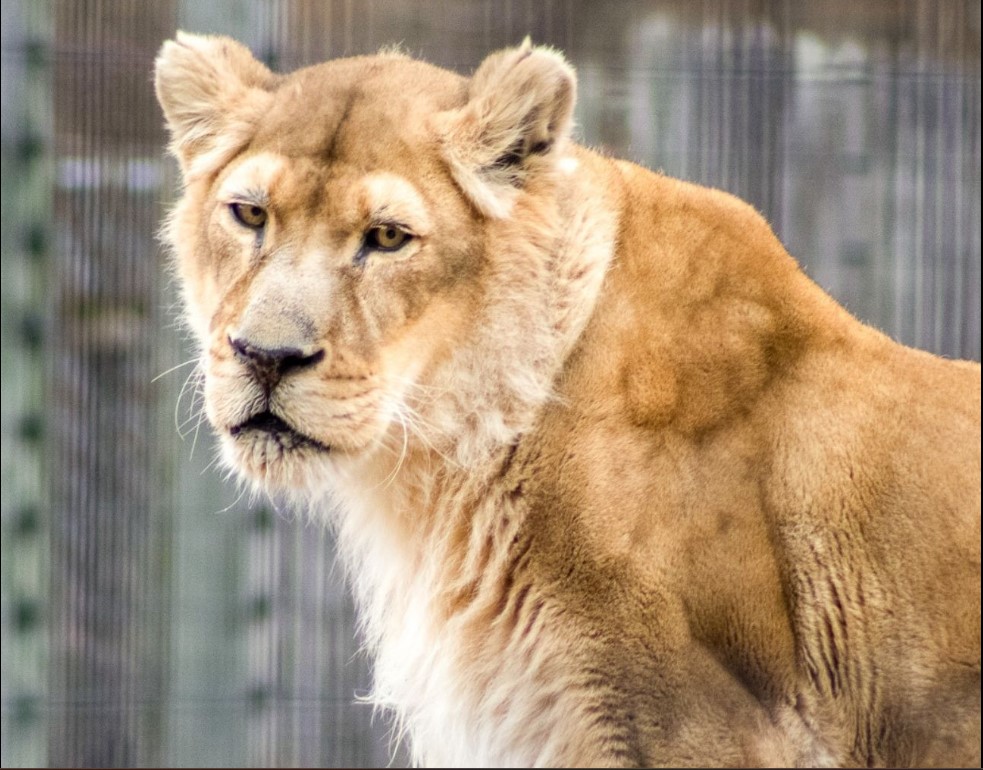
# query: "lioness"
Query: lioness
616,483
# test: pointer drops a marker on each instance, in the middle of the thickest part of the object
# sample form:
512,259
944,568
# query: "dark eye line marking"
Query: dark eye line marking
362,255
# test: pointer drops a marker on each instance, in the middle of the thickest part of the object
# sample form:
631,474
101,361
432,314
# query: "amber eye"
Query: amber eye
249,214
387,237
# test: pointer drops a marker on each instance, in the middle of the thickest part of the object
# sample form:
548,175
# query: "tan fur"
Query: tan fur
616,484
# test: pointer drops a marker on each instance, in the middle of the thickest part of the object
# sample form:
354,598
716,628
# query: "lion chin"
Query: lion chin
278,464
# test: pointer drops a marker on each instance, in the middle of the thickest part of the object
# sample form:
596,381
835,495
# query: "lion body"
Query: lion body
617,483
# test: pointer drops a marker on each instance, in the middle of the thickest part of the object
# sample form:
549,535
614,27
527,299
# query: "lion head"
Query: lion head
371,250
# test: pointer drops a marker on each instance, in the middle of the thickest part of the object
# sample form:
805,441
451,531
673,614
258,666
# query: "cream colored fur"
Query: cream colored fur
615,483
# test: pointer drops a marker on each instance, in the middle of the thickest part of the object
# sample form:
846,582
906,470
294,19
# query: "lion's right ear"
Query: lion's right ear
516,121
213,93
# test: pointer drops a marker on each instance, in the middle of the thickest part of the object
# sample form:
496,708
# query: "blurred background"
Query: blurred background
151,617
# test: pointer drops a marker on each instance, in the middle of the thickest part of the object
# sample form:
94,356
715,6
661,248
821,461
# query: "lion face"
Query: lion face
334,290
333,238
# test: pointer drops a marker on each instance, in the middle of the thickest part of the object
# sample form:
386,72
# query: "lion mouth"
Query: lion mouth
279,430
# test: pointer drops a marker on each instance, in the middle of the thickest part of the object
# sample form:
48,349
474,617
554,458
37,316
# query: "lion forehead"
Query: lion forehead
356,109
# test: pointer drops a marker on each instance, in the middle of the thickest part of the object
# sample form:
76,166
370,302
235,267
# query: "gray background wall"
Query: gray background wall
149,614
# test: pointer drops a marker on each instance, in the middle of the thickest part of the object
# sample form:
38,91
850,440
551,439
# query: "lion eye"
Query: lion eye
387,237
249,214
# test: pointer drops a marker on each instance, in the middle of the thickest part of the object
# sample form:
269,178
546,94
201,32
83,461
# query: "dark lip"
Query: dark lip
267,422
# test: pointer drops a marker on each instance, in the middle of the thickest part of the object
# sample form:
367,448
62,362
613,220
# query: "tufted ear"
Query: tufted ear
213,93
517,118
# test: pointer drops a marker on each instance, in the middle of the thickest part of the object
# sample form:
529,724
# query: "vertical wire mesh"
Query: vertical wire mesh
110,499
176,622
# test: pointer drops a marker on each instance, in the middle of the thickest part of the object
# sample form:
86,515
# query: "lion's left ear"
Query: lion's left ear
517,118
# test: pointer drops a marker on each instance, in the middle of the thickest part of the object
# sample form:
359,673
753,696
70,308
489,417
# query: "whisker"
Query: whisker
420,428
194,376
187,428
211,464
235,502
432,393
402,454
174,368
194,441
194,414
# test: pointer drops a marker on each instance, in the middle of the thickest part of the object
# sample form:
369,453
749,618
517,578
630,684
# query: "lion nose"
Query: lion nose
268,365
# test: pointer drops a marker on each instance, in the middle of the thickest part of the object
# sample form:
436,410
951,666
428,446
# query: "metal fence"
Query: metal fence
149,615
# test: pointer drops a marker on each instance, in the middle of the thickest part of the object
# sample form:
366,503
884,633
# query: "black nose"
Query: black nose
269,365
